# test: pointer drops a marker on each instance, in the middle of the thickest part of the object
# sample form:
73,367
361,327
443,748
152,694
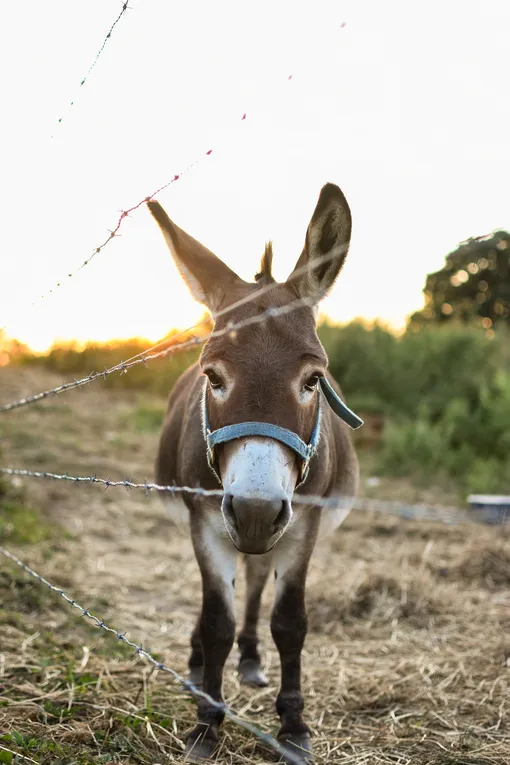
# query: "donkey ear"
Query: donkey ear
206,276
327,241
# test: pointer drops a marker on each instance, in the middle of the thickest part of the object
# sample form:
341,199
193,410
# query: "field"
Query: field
407,660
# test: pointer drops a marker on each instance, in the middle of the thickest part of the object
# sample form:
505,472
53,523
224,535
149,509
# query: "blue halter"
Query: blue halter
285,436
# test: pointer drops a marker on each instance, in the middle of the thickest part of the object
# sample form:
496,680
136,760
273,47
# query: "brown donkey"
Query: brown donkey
253,417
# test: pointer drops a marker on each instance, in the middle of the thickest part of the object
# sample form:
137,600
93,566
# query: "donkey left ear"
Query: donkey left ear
326,245
208,278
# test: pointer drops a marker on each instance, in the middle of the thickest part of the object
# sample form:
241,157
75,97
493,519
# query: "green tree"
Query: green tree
473,283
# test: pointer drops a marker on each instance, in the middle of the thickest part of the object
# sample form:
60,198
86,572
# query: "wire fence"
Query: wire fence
231,328
197,693
422,511
447,514
115,231
123,366
126,212
125,6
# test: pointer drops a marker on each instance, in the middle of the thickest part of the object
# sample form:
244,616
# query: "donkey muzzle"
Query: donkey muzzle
255,524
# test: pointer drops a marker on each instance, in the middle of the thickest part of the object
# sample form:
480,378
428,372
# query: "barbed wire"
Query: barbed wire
126,212
145,356
262,290
197,693
123,366
444,513
125,6
114,232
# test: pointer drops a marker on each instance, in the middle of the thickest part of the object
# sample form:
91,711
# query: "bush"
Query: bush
429,367
445,394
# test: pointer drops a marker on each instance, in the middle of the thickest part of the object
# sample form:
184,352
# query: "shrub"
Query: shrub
445,394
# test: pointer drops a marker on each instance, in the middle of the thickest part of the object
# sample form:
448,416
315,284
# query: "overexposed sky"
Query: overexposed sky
404,105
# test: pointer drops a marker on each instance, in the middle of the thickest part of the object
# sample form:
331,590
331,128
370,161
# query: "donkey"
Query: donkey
250,418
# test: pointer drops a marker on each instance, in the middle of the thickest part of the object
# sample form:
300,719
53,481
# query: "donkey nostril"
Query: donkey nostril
252,517
279,520
283,516
227,508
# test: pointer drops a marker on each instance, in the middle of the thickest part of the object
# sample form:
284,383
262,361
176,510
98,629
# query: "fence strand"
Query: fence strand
123,10
126,212
142,652
443,513
123,366
145,356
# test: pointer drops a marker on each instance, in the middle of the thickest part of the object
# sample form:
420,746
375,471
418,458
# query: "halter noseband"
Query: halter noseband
285,436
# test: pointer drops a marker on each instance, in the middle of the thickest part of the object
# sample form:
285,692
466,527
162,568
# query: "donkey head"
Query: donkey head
264,372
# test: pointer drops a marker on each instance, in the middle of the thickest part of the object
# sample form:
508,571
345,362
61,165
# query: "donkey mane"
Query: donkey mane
265,276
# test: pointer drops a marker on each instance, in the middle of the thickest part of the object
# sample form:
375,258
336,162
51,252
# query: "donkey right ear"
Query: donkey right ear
327,241
206,276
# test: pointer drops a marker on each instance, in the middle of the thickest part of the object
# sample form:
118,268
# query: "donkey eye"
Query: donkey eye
311,383
214,379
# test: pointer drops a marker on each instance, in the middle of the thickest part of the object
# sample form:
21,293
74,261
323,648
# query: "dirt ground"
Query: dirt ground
407,659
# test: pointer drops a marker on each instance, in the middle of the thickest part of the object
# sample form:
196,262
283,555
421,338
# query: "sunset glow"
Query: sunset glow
404,107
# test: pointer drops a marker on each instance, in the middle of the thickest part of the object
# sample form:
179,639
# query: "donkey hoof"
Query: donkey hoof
298,746
199,749
196,676
251,674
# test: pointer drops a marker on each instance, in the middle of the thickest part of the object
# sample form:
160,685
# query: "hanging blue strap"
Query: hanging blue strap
339,407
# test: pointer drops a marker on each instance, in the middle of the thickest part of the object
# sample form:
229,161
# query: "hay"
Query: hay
407,661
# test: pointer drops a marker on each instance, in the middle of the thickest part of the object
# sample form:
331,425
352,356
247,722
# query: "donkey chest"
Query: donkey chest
177,511
333,517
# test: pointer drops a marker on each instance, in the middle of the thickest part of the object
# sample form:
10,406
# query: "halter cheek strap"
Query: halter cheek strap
267,430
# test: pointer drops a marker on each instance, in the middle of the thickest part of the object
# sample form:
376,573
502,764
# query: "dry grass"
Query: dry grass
407,661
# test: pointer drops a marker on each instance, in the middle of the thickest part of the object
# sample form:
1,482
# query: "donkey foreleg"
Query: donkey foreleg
257,571
215,632
289,627
196,659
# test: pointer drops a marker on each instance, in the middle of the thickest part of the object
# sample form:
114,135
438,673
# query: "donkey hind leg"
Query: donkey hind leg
257,571
214,634
289,627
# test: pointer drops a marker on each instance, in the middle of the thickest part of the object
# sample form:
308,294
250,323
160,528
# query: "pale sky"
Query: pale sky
404,105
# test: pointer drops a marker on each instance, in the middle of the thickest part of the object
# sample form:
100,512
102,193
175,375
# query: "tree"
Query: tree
473,283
